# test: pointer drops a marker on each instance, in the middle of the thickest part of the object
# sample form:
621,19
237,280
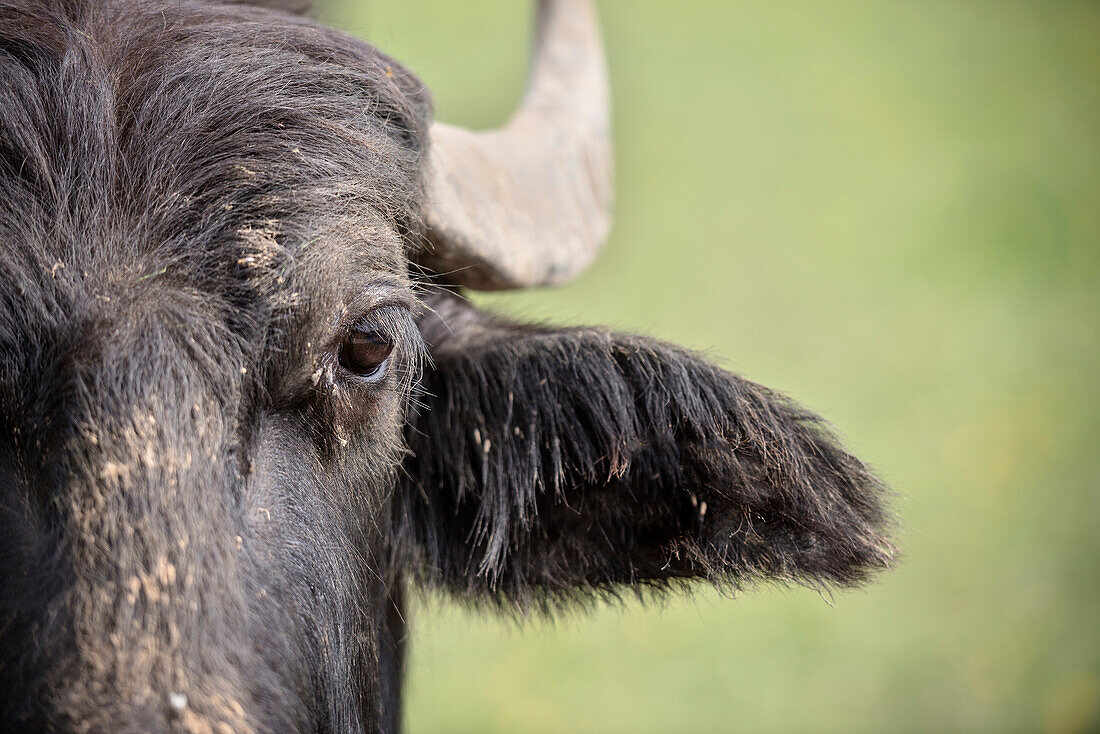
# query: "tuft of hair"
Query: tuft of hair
556,464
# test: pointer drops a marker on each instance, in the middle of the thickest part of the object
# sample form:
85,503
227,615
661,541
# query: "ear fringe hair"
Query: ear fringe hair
554,464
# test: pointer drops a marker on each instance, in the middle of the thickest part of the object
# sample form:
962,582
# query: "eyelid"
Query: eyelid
379,374
365,306
379,296
375,320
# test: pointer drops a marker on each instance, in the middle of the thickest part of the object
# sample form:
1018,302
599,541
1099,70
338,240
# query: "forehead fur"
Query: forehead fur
204,145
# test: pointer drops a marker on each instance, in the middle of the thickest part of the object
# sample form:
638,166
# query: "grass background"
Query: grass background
890,211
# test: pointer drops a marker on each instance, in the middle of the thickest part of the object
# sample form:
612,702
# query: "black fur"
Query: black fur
551,462
196,199
205,520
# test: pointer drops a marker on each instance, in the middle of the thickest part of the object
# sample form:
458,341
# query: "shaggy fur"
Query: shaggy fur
196,201
206,520
552,462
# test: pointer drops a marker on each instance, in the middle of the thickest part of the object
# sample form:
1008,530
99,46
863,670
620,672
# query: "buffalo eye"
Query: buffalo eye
365,353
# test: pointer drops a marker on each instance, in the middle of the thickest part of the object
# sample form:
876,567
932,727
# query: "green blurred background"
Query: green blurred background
890,211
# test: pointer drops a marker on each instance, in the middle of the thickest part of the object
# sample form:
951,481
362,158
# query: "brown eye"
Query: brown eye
365,353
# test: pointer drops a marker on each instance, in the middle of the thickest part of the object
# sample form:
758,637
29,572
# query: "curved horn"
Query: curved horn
529,204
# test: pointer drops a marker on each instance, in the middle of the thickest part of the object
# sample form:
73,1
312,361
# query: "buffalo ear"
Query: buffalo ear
546,463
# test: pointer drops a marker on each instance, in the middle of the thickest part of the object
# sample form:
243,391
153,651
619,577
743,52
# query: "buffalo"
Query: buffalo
244,402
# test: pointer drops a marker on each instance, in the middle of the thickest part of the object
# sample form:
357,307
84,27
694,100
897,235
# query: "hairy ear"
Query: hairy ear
549,462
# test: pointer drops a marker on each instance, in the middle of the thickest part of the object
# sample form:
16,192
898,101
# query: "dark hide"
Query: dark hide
554,462
196,202
205,516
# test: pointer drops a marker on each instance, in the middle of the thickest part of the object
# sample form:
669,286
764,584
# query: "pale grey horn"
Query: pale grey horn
529,204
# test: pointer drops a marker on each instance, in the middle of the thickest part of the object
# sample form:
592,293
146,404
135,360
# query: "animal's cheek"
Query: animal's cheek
363,415
310,456
285,461
24,540
371,445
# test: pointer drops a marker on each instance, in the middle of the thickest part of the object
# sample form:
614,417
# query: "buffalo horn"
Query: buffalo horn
529,204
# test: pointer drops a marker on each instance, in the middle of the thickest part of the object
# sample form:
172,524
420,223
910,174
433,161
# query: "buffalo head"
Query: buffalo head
243,401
